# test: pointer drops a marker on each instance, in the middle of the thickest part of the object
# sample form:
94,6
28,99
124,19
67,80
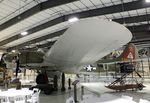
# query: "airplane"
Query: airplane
129,62
130,53
83,43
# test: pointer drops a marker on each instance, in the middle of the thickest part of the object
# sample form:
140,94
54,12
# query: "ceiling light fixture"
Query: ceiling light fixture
13,51
24,33
147,0
74,19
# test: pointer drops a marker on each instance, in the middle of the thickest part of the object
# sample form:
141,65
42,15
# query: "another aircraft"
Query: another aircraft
130,53
129,65
83,43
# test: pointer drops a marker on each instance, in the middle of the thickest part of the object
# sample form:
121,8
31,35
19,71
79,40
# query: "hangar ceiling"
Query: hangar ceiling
46,20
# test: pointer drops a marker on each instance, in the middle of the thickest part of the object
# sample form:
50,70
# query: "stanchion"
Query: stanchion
82,92
55,83
75,90
69,83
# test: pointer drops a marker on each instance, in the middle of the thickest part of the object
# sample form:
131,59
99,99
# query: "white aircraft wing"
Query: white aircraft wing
86,41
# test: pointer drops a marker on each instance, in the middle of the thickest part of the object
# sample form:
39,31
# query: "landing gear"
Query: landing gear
140,86
55,83
42,84
63,82
47,88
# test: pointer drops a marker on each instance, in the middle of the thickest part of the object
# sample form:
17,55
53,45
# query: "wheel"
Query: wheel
140,86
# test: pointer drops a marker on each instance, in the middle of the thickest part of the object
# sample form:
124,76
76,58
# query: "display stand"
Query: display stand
75,90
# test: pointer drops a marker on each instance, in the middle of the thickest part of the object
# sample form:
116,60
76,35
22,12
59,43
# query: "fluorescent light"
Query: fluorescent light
24,33
147,0
74,19
13,51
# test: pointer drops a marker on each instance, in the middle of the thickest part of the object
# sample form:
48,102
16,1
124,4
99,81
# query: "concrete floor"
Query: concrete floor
96,89
57,97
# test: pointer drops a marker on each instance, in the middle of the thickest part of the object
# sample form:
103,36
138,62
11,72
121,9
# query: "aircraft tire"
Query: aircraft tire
140,86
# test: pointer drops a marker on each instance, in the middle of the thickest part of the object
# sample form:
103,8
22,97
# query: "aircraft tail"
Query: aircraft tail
130,53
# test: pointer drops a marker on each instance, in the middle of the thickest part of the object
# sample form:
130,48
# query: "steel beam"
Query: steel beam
141,37
49,36
139,28
134,19
33,30
142,45
141,40
141,34
38,8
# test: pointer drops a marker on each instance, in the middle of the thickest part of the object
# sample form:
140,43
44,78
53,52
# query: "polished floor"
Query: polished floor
100,89
57,97
96,89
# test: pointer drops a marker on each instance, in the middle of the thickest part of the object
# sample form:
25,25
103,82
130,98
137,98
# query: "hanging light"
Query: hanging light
147,0
24,33
73,19
13,51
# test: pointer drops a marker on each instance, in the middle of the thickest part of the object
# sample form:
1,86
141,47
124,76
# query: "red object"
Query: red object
129,53
124,87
